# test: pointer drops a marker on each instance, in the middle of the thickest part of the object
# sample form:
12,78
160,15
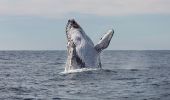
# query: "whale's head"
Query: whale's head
75,33
81,50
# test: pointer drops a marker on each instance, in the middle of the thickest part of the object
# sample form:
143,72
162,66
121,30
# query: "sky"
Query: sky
40,24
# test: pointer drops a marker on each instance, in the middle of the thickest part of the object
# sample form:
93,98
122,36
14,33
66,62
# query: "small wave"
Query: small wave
79,70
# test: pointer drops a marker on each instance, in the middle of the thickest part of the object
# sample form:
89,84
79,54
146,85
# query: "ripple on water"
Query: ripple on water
35,75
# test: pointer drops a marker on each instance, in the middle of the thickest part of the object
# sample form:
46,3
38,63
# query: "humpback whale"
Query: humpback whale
81,51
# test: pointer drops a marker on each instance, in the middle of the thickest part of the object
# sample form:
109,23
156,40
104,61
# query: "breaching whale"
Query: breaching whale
81,51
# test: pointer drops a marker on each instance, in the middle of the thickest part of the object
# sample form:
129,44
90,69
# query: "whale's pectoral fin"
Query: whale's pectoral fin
104,41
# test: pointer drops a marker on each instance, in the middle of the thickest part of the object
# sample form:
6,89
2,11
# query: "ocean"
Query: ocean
125,75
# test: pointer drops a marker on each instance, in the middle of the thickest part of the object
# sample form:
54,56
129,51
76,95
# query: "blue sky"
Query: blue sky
40,24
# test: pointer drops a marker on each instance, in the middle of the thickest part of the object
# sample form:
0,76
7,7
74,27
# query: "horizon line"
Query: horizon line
104,50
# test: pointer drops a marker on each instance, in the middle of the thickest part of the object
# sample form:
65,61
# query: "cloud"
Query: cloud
59,8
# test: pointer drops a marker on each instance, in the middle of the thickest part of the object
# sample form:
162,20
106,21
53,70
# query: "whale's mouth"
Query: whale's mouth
71,27
72,24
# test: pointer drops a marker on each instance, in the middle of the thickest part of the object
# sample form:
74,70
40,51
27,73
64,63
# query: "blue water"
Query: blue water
126,75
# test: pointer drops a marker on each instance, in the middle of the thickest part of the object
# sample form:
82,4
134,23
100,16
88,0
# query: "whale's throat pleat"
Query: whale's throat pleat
76,61
80,62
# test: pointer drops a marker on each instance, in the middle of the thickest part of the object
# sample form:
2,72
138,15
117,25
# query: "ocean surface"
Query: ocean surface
126,75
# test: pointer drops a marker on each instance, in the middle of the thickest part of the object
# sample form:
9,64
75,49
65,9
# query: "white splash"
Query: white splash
79,70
